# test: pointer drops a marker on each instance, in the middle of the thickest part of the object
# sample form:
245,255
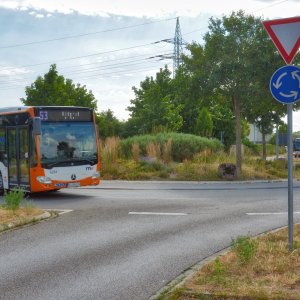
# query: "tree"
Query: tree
264,111
54,89
153,105
204,124
190,86
223,120
227,47
108,124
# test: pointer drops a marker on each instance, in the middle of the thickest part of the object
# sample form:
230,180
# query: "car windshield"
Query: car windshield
67,141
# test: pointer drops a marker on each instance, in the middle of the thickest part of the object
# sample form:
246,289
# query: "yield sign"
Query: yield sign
285,34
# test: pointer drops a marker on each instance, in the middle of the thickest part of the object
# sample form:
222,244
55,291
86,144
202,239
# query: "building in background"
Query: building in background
255,135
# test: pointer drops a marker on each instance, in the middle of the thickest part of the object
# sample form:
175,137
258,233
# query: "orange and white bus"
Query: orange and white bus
44,148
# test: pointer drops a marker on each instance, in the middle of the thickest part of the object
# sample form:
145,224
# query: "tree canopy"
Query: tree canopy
228,74
242,59
108,124
204,125
53,89
153,105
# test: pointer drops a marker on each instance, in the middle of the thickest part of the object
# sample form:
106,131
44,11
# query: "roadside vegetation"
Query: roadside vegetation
219,89
174,156
261,268
16,210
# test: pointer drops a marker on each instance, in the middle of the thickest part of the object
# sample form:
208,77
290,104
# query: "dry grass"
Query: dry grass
111,148
201,167
272,273
167,151
135,151
153,151
23,214
204,166
109,154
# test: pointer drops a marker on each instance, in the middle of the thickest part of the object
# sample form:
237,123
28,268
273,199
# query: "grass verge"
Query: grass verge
203,167
12,214
261,268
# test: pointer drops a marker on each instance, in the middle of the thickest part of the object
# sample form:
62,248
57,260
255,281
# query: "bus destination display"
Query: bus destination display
65,115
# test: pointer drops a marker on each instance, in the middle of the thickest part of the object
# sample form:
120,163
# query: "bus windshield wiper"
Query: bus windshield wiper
53,164
89,161
50,165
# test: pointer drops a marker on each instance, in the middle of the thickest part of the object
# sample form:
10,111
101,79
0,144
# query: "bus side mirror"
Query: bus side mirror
37,128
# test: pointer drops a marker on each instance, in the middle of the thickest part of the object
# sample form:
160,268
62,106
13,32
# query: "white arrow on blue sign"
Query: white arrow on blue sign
285,84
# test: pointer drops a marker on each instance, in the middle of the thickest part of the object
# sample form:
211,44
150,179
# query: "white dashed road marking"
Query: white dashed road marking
269,214
156,213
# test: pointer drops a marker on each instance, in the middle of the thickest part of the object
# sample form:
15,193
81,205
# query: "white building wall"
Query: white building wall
255,135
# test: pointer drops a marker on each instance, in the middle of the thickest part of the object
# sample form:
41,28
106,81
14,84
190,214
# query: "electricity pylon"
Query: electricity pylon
177,47
178,42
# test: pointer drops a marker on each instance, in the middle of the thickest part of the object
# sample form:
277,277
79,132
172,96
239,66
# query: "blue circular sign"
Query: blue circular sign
285,84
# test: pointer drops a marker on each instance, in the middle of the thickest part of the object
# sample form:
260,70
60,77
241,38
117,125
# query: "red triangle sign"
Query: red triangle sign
285,34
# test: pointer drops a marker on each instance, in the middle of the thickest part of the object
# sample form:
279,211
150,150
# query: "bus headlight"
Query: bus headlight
44,179
96,175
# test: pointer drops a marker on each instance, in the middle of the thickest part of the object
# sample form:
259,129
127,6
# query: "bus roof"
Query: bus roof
22,108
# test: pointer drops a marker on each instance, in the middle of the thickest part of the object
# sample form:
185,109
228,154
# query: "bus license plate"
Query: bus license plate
73,184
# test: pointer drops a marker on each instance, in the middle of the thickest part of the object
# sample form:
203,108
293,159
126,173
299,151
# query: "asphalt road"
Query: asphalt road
110,246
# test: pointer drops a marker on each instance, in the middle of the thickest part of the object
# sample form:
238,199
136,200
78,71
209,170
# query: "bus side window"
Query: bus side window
3,154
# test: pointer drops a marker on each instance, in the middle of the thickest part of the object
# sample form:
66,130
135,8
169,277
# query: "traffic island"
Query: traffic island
253,268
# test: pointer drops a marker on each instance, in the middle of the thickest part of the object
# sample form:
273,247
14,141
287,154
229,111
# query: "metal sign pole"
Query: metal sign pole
277,142
290,176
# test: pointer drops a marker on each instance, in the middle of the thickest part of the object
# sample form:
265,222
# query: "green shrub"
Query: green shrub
142,141
218,271
252,147
271,149
184,146
13,199
245,248
151,166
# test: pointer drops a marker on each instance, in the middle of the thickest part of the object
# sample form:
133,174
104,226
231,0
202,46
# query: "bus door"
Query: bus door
18,156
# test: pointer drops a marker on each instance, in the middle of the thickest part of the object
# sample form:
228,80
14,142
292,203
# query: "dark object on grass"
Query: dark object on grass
227,171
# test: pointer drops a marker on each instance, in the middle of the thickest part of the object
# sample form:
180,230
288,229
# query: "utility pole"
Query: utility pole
178,51
177,48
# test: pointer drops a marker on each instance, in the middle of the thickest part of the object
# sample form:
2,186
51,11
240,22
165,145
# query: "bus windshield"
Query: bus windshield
63,142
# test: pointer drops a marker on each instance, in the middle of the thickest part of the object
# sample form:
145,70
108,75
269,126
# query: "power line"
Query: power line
107,75
116,65
124,59
82,56
268,6
254,11
196,30
83,34
123,62
106,52
123,66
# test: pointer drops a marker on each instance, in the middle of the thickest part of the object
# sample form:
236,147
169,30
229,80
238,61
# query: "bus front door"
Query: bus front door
18,157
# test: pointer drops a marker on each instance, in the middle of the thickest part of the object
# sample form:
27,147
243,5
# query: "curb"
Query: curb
188,274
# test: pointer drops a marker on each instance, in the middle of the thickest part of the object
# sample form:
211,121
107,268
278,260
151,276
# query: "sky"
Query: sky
108,46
